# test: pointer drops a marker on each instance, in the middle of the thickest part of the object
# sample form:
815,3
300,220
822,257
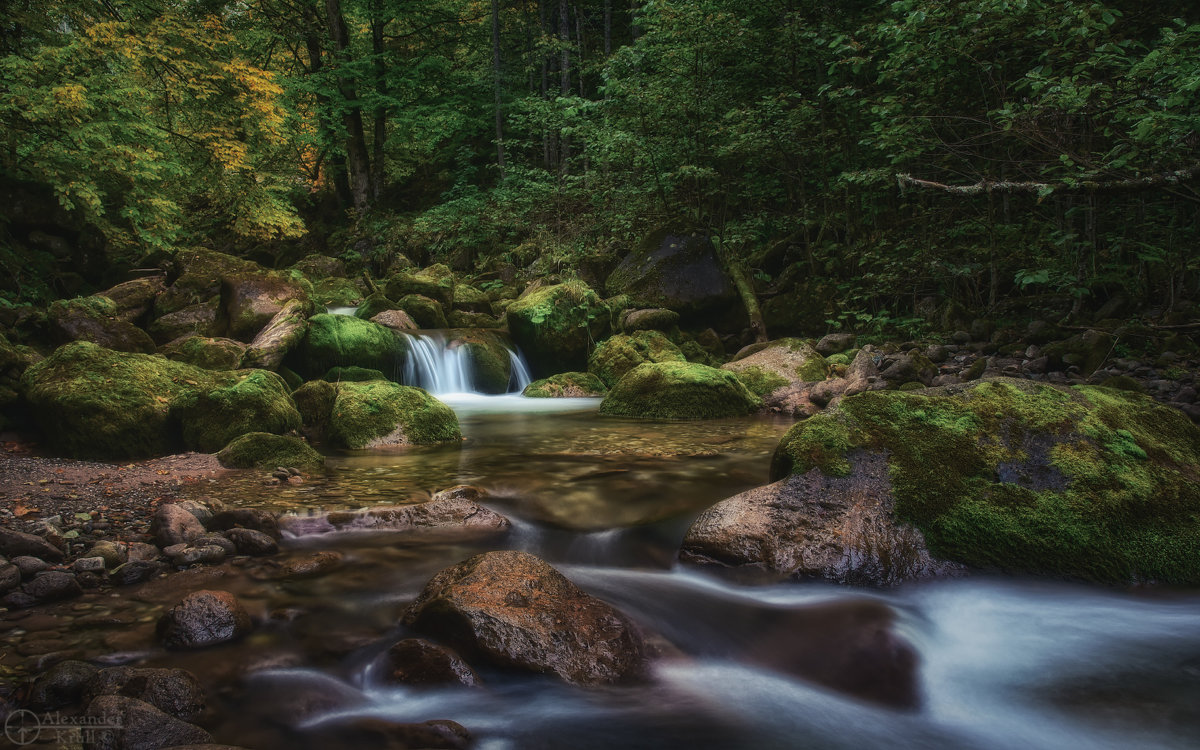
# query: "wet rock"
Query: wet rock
137,725
184,555
281,334
444,515
679,390
370,732
142,552
247,518
555,326
111,553
10,577
252,542
397,320
135,571
311,566
14,544
173,525
203,618
18,600
835,343
215,539
415,661
30,566
566,385
88,565
172,691
515,610
61,685
651,319
53,586
840,529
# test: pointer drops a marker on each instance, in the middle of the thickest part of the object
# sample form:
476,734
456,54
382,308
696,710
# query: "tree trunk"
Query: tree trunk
564,36
357,158
607,28
337,163
381,115
496,85
745,287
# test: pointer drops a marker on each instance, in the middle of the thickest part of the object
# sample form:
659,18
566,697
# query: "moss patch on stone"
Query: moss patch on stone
373,305
761,382
679,390
379,412
425,311
566,385
621,353
345,341
781,362
335,292
352,375
258,402
556,326
491,366
263,450
1089,483
436,282
206,352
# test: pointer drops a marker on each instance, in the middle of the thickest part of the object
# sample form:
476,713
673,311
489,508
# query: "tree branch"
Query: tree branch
1163,179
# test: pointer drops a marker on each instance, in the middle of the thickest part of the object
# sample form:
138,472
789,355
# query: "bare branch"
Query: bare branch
1163,179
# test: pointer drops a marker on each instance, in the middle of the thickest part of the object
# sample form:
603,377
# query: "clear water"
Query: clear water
1003,663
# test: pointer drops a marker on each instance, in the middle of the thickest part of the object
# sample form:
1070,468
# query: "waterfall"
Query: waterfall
443,366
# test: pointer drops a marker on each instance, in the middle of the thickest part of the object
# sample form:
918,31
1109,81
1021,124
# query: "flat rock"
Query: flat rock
137,725
18,544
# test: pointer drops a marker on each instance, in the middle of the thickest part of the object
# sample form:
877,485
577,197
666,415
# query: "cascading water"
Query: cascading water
443,366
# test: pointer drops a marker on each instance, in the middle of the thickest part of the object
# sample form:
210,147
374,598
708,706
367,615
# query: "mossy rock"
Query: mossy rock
93,402
373,305
673,270
200,272
469,299
320,267
1087,483
652,319
314,400
461,319
206,352
555,326
566,385
619,354
258,402
95,319
263,450
249,300
199,319
1087,351
352,375
488,355
1123,383
426,311
335,292
679,390
436,282
347,341
779,363
378,413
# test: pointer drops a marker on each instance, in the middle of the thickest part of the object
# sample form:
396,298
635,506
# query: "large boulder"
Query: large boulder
263,450
779,364
555,326
566,385
679,390
376,413
514,610
173,691
96,319
680,272
469,299
199,319
19,544
619,354
1087,483
436,282
344,340
206,352
426,311
133,299
488,356
278,337
92,402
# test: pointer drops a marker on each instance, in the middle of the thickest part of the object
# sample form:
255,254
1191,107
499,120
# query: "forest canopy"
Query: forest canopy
870,153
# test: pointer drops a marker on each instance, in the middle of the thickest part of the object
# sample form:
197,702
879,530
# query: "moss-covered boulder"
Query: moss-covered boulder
199,319
197,278
250,300
316,266
426,311
352,374
677,271
436,282
566,385
345,341
135,298
652,319
263,450
377,413
206,352
469,299
93,402
314,400
285,331
619,354
1088,483
373,305
335,292
778,364
488,357
258,401
556,326
461,319
679,390
96,319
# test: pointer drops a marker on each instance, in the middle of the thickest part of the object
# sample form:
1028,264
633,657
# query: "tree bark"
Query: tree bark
1164,179
338,176
496,85
564,37
379,135
358,160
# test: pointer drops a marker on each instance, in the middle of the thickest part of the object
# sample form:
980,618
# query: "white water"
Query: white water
442,368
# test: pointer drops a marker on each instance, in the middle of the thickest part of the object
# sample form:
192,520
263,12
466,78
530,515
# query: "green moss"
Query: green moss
314,400
436,282
383,413
490,364
426,312
334,292
91,307
824,444
566,385
258,402
343,341
815,368
912,385
975,371
839,359
623,352
373,305
206,352
555,326
1123,383
679,390
262,450
1090,483
761,382
352,374
469,299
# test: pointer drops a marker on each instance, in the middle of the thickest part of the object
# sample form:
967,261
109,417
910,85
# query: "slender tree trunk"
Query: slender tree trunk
564,36
607,28
496,85
544,23
337,163
381,114
357,158
634,30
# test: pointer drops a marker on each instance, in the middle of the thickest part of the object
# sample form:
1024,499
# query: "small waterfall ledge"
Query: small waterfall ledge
444,366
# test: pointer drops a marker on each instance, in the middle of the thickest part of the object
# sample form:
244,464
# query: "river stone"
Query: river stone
61,685
813,526
19,544
53,586
112,553
680,272
252,300
173,525
555,326
445,515
281,334
416,661
353,733
397,320
173,691
652,319
88,565
252,542
311,566
835,343
138,726
679,390
30,566
779,363
247,518
204,618
515,610
135,571
10,577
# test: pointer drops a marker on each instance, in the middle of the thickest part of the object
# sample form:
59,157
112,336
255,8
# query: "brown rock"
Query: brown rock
311,566
173,691
174,525
19,544
515,610
415,661
204,618
442,516
273,342
132,724
397,320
